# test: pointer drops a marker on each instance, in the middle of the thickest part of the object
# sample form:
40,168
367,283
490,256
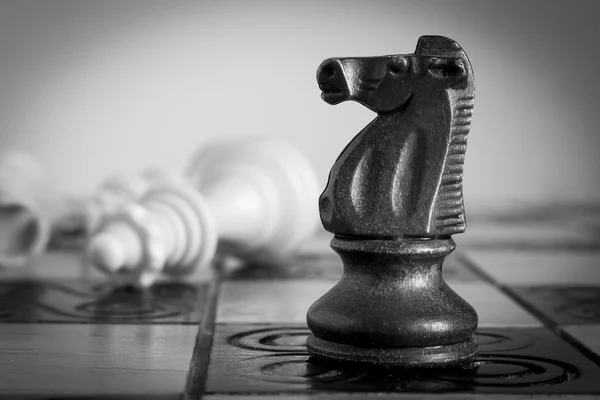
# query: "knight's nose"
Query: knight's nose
328,70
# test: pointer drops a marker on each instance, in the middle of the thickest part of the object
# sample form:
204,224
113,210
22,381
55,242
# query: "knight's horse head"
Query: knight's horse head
386,83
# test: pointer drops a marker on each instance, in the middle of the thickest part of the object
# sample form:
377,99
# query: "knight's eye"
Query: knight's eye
398,65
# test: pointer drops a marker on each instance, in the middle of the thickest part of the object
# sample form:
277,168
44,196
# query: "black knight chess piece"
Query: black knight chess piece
393,200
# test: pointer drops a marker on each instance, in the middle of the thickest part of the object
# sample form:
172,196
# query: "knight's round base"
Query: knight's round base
404,357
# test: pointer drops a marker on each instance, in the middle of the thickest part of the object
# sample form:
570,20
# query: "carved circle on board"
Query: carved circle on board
296,368
6,313
492,370
580,303
508,340
299,369
294,339
17,298
291,365
499,370
128,310
287,339
124,305
582,312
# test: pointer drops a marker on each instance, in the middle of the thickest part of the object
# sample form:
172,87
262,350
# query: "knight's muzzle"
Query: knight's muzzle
332,81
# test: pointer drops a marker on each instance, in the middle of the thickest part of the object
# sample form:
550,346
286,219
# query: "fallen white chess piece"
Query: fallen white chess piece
24,228
256,197
33,214
80,217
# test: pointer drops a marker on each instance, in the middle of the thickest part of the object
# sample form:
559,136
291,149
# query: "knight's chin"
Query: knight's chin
333,97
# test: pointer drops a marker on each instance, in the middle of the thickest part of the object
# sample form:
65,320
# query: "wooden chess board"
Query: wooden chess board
531,272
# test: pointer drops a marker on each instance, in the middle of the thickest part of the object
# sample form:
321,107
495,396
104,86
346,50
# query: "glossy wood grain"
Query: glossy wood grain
262,359
61,360
76,301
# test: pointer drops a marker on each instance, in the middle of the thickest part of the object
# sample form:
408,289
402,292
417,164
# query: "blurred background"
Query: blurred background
95,87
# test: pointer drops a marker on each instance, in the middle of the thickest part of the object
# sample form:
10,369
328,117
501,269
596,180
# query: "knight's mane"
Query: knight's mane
450,211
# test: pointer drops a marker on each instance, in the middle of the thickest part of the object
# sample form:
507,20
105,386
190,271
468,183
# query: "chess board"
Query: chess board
532,272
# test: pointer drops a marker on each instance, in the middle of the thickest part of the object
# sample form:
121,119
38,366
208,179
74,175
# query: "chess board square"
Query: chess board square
527,236
493,307
586,335
75,360
563,304
85,302
273,359
268,301
524,268
287,301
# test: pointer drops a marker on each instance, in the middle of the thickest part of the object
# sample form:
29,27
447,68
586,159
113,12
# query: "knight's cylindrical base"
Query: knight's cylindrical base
392,307
408,357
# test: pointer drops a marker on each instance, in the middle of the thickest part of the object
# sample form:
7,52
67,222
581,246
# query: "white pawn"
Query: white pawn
256,197
82,216
113,193
170,230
